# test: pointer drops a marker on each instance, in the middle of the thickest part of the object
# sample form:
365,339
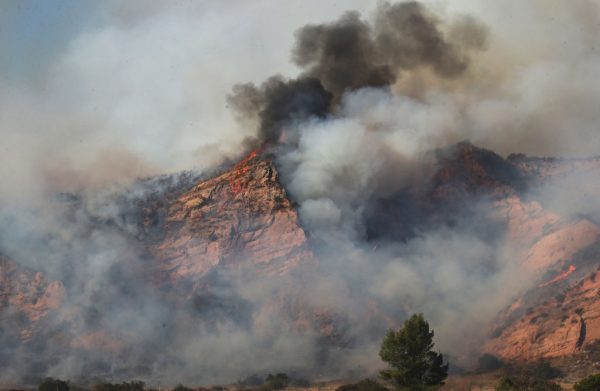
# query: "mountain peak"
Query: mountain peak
242,216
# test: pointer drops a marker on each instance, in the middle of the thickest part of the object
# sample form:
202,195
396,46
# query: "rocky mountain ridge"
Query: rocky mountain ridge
242,221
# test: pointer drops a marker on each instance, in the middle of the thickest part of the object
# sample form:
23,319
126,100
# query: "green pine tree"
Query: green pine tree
413,366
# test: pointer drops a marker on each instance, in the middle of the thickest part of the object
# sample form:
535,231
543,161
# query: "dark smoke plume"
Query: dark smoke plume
279,102
352,53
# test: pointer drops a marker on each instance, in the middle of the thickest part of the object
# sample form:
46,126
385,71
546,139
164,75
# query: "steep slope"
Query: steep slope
193,246
205,238
560,325
558,316
560,251
240,218
506,201
462,180
554,249
237,224
463,170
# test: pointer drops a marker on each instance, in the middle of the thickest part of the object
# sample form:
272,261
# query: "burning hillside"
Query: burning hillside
231,252
328,199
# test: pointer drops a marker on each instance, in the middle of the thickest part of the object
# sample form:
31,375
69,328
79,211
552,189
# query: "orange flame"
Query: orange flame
236,184
560,277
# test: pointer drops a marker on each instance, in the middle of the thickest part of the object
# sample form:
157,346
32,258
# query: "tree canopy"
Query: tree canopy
408,351
590,383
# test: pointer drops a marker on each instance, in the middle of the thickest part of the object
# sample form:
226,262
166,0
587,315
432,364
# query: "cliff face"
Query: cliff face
563,323
240,222
558,316
238,219
558,251
561,254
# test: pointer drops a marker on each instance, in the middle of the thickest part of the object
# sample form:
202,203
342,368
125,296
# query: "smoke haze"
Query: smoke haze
350,103
350,54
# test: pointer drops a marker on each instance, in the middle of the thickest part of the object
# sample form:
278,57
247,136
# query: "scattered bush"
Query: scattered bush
505,384
590,383
511,383
534,377
542,370
51,384
181,387
277,381
363,385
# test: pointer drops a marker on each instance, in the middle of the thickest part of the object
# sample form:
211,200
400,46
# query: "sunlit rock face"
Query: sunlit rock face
559,251
557,316
239,218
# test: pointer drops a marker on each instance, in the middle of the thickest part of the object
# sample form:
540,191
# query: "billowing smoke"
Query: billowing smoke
280,102
351,122
352,53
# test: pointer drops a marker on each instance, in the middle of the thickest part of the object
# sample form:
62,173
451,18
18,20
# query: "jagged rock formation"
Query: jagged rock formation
556,251
239,218
561,253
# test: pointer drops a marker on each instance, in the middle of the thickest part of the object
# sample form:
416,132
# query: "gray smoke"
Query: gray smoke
352,53
142,91
115,323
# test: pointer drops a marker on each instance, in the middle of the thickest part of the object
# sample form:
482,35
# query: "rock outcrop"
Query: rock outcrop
556,315
561,254
240,218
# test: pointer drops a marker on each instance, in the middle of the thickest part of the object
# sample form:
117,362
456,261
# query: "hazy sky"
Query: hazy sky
93,91
143,83
33,32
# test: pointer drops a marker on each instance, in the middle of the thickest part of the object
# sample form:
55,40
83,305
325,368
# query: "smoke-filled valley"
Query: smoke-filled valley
186,199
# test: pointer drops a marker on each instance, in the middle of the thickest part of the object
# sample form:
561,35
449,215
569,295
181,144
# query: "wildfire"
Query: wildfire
560,277
236,184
